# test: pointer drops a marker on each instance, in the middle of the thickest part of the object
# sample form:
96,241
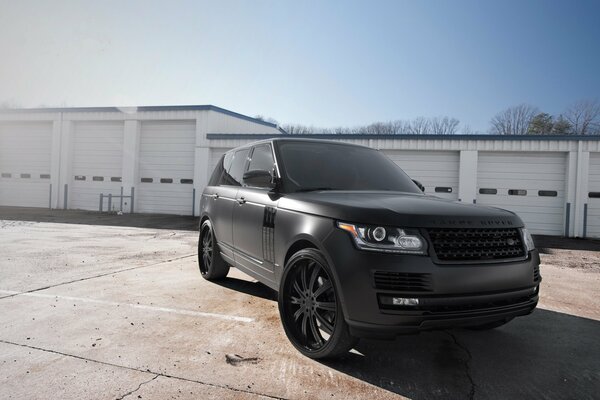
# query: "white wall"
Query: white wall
580,155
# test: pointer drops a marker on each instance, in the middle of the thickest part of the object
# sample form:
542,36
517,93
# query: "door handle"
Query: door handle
241,201
215,196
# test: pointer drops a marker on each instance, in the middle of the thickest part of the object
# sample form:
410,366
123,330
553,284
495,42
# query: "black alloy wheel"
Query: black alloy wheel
210,262
309,307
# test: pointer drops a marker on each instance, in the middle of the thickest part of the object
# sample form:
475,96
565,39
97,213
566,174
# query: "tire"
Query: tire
211,264
489,325
309,307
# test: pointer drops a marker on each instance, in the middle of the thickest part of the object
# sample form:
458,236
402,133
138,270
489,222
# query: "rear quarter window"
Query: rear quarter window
233,174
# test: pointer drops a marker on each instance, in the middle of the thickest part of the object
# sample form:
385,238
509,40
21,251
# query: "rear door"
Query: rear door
224,199
253,220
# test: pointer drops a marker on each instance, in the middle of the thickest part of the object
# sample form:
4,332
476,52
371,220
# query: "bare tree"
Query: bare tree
443,125
467,130
513,120
584,117
420,126
298,129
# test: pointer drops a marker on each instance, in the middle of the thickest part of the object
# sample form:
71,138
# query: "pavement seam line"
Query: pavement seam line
147,371
97,276
138,388
137,306
467,363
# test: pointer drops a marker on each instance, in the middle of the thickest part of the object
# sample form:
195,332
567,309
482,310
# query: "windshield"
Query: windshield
331,166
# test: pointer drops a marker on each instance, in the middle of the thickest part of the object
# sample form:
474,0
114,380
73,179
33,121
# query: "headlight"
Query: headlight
528,240
385,239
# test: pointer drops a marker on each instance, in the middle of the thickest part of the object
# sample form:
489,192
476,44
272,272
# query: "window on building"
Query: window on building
488,191
6,175
98,179
443,189
166,180
80,177
594,195
547,193
186,181
44,176
25,176
147,180
517,192
115,179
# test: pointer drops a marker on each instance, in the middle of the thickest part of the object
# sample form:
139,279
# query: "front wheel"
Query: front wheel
310,309
210,261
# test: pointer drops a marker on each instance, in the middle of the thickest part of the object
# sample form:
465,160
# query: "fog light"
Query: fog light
409,242
402,301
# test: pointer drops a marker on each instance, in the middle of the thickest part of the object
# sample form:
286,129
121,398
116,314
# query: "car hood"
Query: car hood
398,209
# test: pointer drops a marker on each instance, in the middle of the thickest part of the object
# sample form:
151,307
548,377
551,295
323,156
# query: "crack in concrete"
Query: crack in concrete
467,364
136,389
147,371
96,276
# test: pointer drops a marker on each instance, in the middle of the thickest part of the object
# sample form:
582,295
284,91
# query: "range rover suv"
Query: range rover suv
355,249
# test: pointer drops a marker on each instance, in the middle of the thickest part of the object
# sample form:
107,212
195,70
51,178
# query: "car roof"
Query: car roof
293,139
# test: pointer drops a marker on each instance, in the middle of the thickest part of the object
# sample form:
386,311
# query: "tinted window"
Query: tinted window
262,158
216,175
235,172
340,167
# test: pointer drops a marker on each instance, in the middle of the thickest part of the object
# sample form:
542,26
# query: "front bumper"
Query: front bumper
455,294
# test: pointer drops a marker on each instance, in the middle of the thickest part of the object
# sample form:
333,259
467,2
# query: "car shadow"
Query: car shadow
252,288
546,243
545,355
151,221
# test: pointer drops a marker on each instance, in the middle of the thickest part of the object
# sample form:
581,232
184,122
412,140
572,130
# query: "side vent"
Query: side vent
268,234
536,273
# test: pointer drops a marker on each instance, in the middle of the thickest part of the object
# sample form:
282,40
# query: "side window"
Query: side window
216,175
233,175
220,169
262,158
225,178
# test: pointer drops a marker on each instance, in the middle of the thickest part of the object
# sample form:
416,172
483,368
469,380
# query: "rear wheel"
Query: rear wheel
210,262
310,309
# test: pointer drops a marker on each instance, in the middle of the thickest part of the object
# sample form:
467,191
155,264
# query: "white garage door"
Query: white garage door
97,164
529,184
593,216
436,170
167,151
25,158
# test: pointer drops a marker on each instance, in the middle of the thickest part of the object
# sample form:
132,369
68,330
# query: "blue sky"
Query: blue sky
323,63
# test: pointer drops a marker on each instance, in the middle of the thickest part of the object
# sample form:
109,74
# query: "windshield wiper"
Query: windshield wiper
313,189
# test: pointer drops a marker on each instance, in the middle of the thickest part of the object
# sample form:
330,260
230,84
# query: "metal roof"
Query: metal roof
258,136
206,107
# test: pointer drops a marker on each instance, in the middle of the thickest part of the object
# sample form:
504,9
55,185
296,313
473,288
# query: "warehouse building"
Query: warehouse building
158,159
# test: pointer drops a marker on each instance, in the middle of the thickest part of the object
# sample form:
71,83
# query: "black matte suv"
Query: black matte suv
356,249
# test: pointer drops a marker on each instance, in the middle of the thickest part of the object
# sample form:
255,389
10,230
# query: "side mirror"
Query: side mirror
258,178
419,184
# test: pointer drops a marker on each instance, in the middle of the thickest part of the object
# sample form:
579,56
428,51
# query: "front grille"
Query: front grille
469,244
403,281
